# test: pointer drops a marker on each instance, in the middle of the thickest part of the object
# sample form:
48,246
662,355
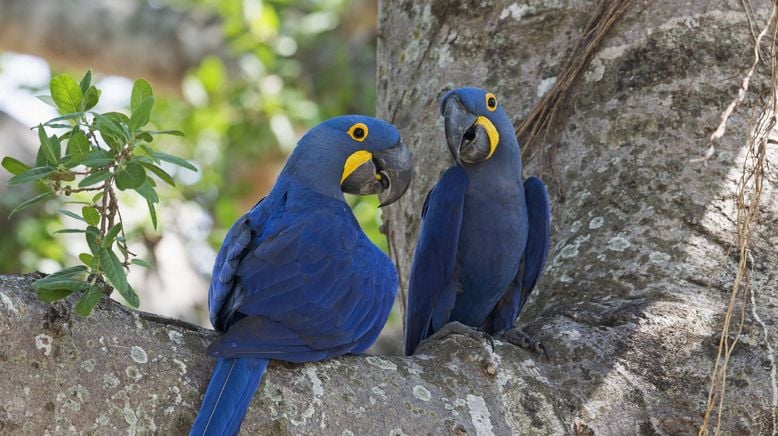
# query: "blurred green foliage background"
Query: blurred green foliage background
293,64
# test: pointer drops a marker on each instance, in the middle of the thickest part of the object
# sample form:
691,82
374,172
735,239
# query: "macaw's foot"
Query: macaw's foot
457,328
523,340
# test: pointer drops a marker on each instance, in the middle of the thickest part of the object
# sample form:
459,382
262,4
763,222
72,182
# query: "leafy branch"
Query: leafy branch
103,153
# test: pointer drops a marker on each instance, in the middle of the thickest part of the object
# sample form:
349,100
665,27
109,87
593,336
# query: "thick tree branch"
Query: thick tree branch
122,371
130,38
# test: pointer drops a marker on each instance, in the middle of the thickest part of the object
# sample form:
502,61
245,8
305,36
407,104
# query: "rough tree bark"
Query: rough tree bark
637,279
130,38
641,263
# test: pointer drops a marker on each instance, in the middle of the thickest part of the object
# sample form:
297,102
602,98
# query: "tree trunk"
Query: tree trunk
637,280
643,254
131,38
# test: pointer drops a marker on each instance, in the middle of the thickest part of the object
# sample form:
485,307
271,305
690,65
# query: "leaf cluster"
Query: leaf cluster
86,157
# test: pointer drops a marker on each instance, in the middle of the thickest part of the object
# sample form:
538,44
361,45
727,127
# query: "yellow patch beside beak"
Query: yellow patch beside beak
491,131
354,161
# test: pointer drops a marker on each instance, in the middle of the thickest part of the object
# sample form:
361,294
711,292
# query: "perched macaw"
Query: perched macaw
484,235
296,279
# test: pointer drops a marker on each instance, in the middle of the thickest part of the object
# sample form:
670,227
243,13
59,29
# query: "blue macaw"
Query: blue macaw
484,235
296,279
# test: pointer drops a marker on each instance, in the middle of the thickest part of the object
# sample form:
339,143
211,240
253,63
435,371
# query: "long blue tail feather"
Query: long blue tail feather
228,396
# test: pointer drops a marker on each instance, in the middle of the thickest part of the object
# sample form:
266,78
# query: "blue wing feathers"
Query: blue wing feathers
432,288
539,240
228,396
304,287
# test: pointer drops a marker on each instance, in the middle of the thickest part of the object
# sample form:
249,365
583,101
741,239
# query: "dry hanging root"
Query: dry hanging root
749,190
542,116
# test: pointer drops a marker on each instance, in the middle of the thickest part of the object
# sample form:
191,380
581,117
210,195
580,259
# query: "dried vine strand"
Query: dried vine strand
543,115
749,192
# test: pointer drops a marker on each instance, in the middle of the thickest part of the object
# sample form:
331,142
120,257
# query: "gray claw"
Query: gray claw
523,340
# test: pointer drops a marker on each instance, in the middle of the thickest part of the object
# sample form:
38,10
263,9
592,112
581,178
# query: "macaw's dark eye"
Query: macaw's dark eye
491,101
358,132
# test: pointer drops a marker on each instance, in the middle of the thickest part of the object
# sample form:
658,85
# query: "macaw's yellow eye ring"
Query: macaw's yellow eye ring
491,102
358,132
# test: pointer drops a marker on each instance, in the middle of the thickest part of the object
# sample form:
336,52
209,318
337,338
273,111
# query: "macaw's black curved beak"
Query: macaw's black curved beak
387,173
470,138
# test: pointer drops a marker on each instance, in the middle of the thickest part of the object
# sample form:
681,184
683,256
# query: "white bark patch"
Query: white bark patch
138,354
175,337
444,56
110,381
318,390
569,251
770,356
480,416
133,373
515,11
596,223
595,72
43,342
421,393
88,365
658,257
618,243
381,363
545,85
181,366
9,304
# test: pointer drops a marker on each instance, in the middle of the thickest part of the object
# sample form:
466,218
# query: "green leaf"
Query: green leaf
141,262
72,215
70,231
78,145
141,115
149,152
49,150
91,97
47,99
95,177
89,300
69,272
140,90
152,213
31,201
60,283
111,234
66,94
167,132
159,172
52,295
31,175
144,136
114,272
147,191
93,239
131,176
131,297
85,82
91,215
112,132
175,160
97,159
14,166
71,116
86,258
